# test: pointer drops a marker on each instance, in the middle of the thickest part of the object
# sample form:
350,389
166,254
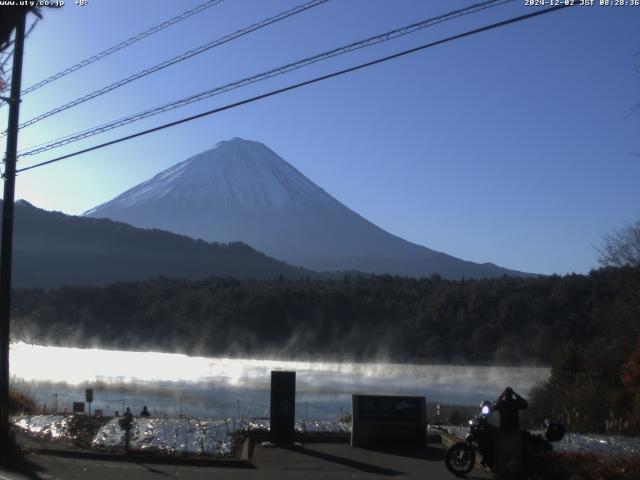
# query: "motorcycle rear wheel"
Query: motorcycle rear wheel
460,459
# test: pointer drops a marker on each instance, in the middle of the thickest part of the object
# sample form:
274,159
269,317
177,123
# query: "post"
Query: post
127,438
88,396
125,424
7,231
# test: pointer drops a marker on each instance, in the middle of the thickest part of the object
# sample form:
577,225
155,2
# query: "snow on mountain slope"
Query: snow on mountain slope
242,190
237,172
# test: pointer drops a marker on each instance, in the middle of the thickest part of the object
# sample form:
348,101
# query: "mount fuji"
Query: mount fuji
241,190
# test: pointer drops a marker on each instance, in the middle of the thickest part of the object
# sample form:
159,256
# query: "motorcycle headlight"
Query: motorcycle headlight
486,410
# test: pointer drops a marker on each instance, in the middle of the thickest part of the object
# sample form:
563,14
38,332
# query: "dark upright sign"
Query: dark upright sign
78,407
283,406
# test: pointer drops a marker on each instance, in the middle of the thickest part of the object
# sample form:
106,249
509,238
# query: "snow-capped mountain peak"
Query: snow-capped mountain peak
236,171
242,190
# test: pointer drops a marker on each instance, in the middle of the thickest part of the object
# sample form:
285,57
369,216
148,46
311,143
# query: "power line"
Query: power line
302,84
124,44
71,138
177,59
281,70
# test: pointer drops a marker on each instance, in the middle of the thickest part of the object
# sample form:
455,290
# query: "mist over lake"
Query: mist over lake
223,387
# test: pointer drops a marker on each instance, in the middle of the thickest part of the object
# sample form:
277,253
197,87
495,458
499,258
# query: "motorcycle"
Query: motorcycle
460,458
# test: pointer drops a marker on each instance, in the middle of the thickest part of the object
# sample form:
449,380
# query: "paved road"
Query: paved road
314,461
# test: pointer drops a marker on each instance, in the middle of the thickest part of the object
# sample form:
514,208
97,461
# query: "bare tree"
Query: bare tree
9,17
636,107
621,248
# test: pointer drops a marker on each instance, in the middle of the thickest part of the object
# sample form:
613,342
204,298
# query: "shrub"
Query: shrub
20,403
583,466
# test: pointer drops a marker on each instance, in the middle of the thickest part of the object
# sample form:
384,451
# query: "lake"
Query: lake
173,384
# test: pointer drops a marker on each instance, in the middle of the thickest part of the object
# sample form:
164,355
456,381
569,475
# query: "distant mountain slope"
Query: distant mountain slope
52,249
241,190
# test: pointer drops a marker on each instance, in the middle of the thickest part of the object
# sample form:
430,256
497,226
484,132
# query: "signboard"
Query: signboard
383,421
283,406
388,409
78,407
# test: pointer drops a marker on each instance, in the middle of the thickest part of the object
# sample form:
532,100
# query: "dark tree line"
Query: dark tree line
498,321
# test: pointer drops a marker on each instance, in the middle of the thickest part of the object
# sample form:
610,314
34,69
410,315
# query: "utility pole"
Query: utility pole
7,230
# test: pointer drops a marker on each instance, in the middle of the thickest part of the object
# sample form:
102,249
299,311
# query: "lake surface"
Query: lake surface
171,384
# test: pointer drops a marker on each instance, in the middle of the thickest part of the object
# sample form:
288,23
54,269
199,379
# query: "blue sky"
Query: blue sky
513,146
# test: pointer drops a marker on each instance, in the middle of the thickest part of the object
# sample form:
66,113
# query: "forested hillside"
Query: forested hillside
503,321
51,249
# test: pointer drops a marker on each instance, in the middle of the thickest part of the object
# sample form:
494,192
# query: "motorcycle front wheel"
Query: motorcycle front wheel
460,459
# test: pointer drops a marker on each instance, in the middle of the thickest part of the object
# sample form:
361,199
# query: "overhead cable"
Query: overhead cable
172,61
301,84
281,70
130,41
